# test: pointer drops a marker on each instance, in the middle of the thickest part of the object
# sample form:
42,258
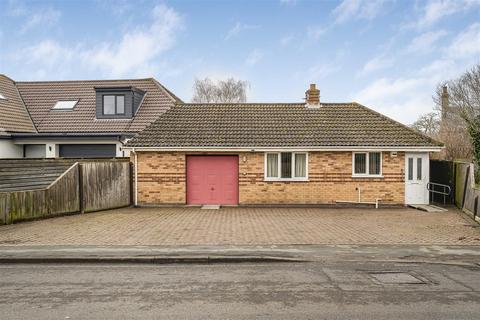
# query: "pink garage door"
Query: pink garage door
212,180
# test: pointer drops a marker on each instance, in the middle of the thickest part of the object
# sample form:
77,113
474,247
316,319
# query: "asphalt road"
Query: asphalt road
308,290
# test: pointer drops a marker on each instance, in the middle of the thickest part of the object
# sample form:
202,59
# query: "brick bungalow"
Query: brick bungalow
279,153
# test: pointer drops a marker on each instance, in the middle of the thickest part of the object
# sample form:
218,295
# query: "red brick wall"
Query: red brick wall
330,179
161,180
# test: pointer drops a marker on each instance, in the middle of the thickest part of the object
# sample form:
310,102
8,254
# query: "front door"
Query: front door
416,178
212,180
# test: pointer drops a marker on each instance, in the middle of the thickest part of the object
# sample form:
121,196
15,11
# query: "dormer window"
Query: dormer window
65,105
114,105
118,102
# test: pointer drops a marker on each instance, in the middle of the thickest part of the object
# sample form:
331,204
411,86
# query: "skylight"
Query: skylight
2,97
65,105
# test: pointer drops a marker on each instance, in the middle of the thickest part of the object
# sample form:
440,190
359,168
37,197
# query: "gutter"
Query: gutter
280,149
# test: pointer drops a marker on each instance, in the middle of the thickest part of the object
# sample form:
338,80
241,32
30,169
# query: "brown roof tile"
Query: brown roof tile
13,114
277,125
41,96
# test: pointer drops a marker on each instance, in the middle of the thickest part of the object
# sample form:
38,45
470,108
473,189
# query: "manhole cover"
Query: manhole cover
396,278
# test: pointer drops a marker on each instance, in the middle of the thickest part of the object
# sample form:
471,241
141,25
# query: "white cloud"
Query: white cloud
38,18
407,97
426,41
48,53
316,32
137,49
321,71
16,8
358,9
42,18
254,57
238,28
136,53
377,63
467,43
435,10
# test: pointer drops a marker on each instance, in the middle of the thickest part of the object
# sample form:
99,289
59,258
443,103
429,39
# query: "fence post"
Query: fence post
80,188
131,184
465,186
475,208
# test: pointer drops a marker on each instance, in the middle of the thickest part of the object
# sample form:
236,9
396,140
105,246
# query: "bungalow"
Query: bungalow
76,118
279,153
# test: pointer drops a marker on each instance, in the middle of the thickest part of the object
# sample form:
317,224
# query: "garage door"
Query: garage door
87,150
212,180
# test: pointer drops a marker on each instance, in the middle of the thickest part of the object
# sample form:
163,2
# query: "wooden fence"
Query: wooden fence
467,195
105,185
84,187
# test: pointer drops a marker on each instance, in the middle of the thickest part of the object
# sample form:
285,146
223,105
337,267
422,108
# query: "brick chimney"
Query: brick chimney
444,102
312,96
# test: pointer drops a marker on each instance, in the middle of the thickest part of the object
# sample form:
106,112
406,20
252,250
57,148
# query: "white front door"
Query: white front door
416,178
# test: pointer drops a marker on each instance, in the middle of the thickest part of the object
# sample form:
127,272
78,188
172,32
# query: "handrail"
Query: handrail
446,190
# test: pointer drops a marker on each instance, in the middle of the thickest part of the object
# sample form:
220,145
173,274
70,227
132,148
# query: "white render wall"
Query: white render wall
10,150
52,146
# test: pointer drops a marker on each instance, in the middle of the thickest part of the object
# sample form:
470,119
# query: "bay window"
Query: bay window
367,164
286,166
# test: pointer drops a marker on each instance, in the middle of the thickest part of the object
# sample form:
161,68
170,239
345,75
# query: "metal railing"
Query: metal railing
433,187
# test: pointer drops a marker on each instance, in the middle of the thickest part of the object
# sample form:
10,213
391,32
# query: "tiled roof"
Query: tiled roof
13,114
277,125
41,96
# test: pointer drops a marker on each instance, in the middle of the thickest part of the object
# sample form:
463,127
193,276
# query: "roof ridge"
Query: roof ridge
261,103
170,94
85,80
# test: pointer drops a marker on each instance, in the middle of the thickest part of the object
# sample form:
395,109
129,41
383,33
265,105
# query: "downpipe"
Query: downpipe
359,201
135,165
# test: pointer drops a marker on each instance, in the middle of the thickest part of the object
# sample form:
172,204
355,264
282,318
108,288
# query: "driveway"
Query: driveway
247,226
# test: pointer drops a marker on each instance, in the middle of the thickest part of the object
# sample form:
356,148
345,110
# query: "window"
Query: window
2,97
113,105
286,166
367,164
272,165
360,163
65,105
419,168
410,168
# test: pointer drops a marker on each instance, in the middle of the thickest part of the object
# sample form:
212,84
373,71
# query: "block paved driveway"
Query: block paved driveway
246,226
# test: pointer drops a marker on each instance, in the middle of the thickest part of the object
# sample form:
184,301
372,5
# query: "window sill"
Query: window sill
286,180
369,176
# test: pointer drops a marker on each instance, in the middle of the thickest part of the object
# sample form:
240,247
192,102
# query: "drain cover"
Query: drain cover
396,278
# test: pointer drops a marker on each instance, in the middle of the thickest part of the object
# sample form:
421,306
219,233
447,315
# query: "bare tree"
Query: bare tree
230,90
460,110
428,124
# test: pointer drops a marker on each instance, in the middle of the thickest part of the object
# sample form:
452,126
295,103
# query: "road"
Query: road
331,289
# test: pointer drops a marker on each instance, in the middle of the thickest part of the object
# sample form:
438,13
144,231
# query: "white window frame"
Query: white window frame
278,178
65,105
367,173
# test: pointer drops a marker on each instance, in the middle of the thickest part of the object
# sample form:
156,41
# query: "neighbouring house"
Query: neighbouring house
84,119
279,153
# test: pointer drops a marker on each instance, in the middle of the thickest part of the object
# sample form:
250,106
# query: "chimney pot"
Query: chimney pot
312,95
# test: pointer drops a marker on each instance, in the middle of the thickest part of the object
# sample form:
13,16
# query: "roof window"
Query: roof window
2,97
65,105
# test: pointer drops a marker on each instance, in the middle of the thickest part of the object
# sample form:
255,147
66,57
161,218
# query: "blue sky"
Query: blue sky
388,55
